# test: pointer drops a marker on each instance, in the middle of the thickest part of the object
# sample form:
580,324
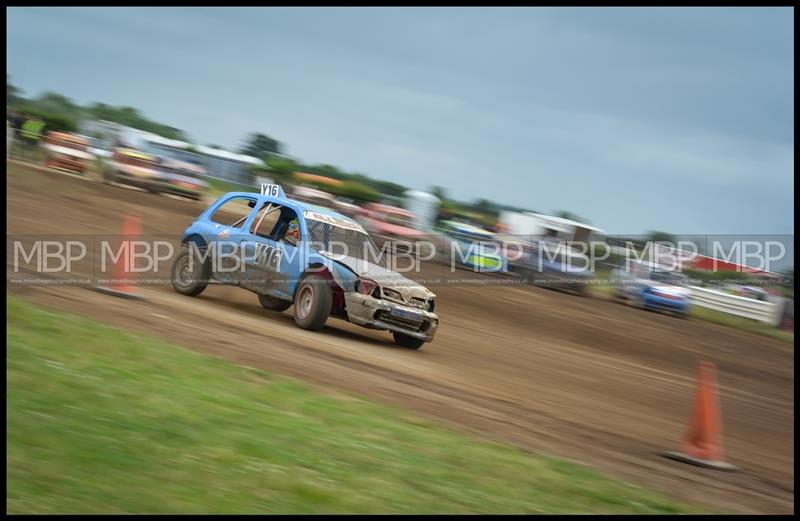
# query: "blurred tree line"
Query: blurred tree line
60,113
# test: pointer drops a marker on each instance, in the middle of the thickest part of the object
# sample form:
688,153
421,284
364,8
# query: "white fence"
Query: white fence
768,312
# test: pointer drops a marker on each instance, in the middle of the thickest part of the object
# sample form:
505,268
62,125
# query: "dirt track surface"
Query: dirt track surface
580,378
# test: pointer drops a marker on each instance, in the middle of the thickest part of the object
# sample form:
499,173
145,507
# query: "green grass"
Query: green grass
710,315
100,420
744,324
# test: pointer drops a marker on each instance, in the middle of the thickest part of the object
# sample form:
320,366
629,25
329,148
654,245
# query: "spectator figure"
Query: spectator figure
16,120
32,135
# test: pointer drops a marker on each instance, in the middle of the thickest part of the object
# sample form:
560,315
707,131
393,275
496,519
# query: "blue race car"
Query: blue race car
649,286
294,253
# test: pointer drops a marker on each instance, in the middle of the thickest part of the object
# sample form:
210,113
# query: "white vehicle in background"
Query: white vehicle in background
182,178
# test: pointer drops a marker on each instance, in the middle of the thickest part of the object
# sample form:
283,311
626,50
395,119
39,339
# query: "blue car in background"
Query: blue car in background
294,253
649,286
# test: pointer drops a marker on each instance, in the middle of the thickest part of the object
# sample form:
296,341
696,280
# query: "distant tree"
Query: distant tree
131,117
564,214
54,122
387,187
282,168
439,192
13,93
357,192
485,208
57,104
261,146
658,236
329,171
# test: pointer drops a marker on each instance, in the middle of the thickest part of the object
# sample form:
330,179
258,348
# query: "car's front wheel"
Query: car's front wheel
408,341
312,302
273,304
190,275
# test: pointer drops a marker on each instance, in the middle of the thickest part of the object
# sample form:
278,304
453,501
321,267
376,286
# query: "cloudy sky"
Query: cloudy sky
637,119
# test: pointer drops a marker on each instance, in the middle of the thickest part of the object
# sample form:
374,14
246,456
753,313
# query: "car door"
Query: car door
229,223
271,262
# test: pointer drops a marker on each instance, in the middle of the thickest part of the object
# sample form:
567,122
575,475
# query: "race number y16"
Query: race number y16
271,190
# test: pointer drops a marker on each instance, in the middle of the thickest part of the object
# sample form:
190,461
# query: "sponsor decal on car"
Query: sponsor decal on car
333,221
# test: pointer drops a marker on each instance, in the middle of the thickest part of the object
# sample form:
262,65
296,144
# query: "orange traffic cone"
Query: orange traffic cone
119,285
702,445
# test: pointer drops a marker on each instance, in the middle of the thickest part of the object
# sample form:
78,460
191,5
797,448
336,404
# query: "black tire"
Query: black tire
273,304
404,340
312,302
189,278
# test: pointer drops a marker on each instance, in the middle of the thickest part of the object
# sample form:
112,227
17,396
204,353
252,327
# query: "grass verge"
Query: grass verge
100,420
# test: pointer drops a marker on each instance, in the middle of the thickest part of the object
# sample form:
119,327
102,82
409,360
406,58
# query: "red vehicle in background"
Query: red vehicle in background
67,151
390,223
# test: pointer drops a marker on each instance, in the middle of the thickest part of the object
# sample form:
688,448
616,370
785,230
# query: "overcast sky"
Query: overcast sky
637,119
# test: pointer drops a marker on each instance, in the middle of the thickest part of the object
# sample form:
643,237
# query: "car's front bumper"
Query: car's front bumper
368,311
148,183
193,193
67,163
485,264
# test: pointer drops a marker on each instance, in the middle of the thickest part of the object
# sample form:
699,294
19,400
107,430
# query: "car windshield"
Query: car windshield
337,240
66,143
467,237
136,161
180,171
669,277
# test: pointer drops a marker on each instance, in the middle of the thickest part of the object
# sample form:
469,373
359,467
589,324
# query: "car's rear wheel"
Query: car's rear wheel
273,304
312,302
408,341
190,276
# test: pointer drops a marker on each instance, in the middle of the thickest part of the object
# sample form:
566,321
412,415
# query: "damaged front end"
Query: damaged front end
378,298
376,307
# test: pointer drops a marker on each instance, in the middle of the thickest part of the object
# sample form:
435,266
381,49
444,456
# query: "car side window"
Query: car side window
233,212
282,227
264,223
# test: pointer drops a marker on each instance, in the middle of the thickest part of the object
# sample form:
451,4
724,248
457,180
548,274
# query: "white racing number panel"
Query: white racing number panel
333,221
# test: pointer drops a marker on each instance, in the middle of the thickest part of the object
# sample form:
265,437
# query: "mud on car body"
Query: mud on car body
327,268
